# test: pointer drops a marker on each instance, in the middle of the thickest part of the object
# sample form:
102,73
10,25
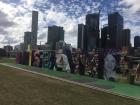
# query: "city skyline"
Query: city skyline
16,17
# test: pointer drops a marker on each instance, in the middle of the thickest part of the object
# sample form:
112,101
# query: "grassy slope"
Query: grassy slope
21,88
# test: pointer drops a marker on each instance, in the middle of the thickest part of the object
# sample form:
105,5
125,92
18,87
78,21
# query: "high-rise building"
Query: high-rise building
115,23
81,33
92,31
55,34
126,38
22,46
27,39
8,48
34,29
105,37
137,41
17,48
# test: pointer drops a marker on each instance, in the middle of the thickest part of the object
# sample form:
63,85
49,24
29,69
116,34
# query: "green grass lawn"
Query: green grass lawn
7,60
22,88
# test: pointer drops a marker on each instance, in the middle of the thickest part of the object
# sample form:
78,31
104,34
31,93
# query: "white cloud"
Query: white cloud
42,35
58,14
8,9
130,12
60,18
21,14
17,15
134,5
69,24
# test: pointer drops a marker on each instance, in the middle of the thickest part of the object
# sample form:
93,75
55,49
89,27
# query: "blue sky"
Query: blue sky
16,17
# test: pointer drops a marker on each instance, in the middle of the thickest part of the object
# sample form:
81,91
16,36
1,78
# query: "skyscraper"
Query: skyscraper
126,38
80,42
27,39
115,23
34,29
8,48
55,34
105,37
137,41
92,30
